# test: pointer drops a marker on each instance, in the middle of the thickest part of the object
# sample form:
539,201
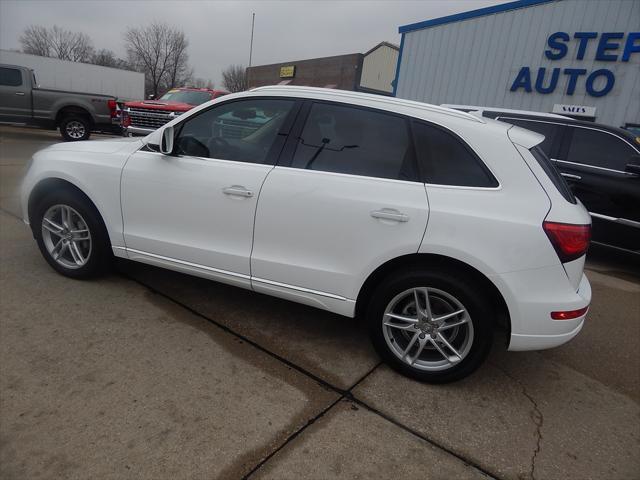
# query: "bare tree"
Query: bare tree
57,42
107,58
234,78
160,52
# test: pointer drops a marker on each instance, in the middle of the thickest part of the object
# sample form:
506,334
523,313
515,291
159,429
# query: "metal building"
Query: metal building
378,68
575,57
79,77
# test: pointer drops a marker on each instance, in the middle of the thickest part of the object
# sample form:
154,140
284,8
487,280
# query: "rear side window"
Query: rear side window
549,130
445,159
553,173
599,149
355,141
10,77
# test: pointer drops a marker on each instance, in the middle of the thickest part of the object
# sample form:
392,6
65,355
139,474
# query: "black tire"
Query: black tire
75,128
100,256
453,283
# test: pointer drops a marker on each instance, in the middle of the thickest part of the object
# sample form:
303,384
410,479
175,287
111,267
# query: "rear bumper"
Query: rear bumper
532,296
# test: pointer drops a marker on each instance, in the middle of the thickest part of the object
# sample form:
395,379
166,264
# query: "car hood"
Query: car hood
112,145
160,105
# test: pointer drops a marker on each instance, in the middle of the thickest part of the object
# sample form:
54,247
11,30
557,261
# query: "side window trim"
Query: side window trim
466,146
567,145
289,150
278,145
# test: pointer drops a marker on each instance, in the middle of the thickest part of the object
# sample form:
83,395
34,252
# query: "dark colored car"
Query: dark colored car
601,165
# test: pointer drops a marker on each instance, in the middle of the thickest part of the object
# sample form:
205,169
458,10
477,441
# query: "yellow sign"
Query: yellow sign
288,72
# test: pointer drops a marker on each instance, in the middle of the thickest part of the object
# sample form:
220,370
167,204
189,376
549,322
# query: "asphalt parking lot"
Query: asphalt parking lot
153,374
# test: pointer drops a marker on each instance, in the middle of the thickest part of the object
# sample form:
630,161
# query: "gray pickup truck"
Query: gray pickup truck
75,114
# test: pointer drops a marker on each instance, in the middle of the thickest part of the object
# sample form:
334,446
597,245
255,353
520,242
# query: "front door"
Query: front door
345,199
15,96
194,210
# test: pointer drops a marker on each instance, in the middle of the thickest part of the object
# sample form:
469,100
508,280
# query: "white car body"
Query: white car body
309,236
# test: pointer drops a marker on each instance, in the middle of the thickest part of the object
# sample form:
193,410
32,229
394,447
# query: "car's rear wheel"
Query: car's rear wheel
71,235
75,127
432,326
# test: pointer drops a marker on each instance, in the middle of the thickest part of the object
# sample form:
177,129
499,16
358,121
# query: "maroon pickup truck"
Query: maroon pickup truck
145,116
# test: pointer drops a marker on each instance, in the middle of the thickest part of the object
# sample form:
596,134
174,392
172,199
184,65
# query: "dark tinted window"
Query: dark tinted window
242,131
549,130
553,173
445,160
600,149
10,77
355,141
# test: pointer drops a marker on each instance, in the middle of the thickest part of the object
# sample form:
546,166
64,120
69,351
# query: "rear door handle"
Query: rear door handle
571,176
390,214
237,191
20,93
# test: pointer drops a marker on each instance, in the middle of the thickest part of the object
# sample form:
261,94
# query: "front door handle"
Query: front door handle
390,214
238,191
571,176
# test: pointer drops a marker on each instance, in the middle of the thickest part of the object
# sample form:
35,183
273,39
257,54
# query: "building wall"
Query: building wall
475,61
79,77
342,72
379,69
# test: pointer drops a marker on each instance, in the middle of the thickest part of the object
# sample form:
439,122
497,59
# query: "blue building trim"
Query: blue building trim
505,7
395,80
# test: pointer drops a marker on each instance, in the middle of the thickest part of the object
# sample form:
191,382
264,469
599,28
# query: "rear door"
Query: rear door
345,198
593,161
15,95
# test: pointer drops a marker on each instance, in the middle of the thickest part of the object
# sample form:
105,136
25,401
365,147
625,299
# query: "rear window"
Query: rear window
553,174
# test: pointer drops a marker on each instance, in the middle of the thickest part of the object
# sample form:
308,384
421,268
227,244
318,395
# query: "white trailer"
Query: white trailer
79,77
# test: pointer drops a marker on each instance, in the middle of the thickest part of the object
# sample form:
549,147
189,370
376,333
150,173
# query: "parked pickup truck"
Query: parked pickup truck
143,117
75,114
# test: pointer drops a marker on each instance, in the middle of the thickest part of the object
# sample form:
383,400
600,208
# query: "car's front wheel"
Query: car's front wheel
430,325
71,235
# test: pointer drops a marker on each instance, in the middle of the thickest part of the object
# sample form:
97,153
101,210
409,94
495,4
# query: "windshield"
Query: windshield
186,96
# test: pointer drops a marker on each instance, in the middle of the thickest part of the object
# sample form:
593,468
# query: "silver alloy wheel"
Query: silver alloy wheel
75,129
427,328
66,236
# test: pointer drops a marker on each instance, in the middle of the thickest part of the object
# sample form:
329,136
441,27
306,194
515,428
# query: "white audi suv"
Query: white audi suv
434,226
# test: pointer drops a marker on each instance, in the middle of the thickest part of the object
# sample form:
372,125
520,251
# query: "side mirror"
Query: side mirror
166,141
634,165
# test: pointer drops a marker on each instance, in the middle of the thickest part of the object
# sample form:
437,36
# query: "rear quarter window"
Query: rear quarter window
553,173
10,77
445,159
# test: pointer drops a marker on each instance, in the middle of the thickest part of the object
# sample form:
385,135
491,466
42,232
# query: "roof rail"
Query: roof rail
369,96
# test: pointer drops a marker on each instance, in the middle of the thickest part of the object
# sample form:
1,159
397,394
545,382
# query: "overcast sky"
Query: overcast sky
219,31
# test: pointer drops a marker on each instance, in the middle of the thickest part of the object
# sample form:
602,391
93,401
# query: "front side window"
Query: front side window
355,141
549,130
11,77
599,149
242,131
445,160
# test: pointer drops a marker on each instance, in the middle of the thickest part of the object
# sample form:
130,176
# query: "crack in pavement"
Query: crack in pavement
536,417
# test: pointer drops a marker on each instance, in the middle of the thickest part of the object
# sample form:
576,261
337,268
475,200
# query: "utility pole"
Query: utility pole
253,20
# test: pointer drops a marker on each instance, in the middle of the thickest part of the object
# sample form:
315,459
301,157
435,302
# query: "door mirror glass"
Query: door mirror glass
166,142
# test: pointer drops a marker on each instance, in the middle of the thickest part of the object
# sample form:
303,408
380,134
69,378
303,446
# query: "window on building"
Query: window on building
599,149
10,77
350,140
446,160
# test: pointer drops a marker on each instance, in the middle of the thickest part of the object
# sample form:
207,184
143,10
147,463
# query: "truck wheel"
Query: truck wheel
74,128
433,326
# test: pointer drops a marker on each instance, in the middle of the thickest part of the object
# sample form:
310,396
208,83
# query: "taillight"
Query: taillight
112,107
569,314
126,119
570,241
